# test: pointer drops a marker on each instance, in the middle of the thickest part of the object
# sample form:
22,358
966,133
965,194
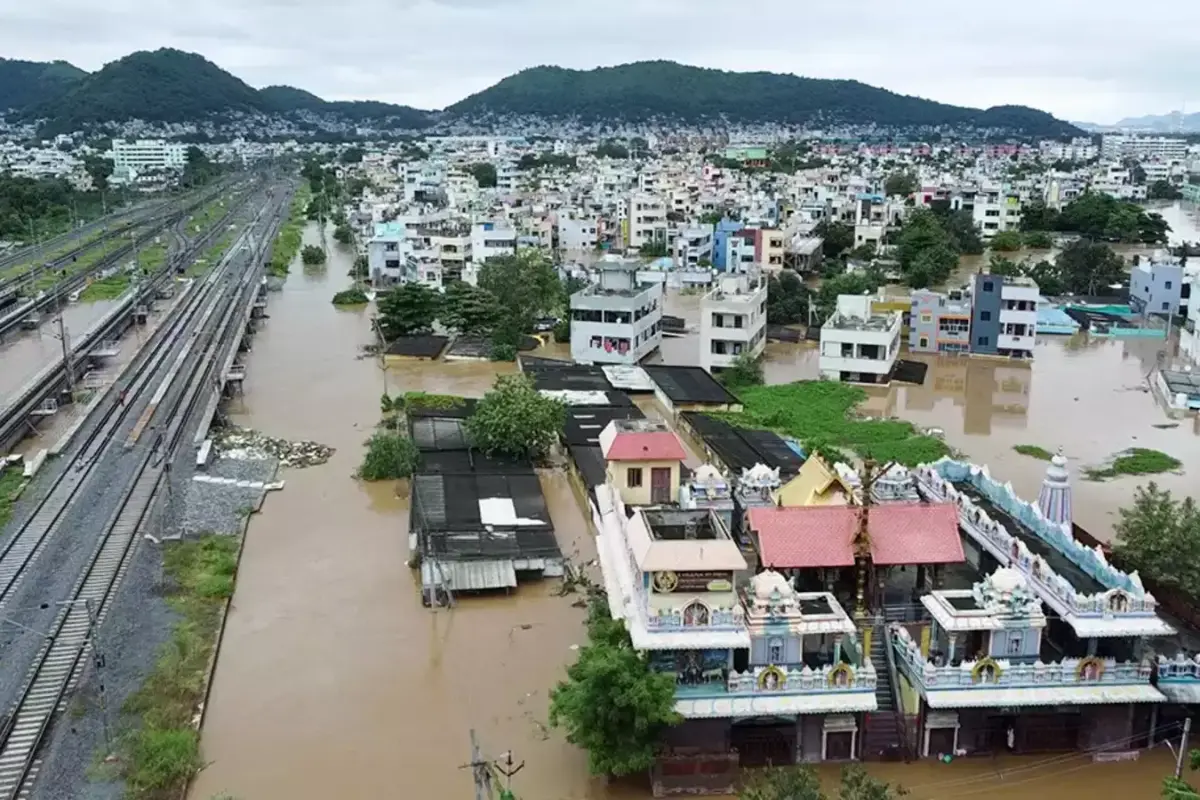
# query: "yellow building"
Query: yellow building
644,461
817,484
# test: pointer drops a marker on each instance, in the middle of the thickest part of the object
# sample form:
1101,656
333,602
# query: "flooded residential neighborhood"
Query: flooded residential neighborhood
333,679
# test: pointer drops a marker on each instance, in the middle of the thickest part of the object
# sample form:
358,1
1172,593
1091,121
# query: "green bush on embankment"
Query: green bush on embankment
161,752
12,482
821,415
287,242
351,297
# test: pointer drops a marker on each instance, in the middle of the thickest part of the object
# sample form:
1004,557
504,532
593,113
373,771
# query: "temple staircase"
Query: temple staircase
886,737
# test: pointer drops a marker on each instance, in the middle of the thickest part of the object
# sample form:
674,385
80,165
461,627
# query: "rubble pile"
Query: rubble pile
246,444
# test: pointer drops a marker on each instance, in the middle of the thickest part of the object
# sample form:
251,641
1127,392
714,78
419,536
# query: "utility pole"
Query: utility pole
65,339
98,662
1183,746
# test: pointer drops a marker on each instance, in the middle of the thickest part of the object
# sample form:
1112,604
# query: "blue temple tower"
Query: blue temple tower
1055,497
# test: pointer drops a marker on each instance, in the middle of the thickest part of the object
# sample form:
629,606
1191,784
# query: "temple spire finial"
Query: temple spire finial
1055,497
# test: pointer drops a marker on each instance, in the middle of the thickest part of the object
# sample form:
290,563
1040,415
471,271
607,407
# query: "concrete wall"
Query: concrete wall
640,495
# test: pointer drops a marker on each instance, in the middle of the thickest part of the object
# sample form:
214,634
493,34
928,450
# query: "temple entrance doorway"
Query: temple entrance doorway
764,741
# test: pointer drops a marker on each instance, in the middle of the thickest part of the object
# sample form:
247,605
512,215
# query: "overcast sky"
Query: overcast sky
1088,60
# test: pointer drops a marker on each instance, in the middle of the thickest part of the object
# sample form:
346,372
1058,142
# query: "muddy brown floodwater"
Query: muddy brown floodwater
334,682
24,353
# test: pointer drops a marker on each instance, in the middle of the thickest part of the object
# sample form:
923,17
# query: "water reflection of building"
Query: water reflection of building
988,391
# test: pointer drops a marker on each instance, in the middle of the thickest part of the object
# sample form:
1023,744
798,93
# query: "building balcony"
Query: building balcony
772,680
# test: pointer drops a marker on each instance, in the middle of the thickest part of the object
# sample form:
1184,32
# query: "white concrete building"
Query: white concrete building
693,245
491,239
859,346
577,235
615,320
646,220
148,154
1165,148
733,320
1018,317
996,209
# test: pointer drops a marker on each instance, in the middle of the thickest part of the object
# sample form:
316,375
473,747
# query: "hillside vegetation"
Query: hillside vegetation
27,83
665,89
173,86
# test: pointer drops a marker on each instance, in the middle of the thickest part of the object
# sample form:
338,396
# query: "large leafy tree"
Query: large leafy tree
613,704
838,237
525,285
408,310
901,183
515,419
961,228
469,309
1089,267
1159,536
787,298
846,283
928,253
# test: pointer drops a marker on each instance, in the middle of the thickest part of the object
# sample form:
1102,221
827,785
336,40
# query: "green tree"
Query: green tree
901,184
858,784
1163,190
390,455
963,231
711,218
343,233
837,237
782,783
525,284
928,253
613,704
653,250
1049,278
787,298
484,174
469,309
1159,536
99,169
611,149
1004,267
312,255
846,283
517,420
1178,789
1007,242
864,252
1038,240
352,155
1089,268
746,370
198,169
407,310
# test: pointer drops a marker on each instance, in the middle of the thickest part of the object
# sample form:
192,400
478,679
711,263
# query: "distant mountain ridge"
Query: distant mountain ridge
649,89
170,85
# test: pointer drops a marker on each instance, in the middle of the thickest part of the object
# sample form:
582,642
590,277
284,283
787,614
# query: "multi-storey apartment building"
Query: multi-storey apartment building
733,320
578,235
1004,315
694,246
857,345
1157,286
148,154
616,320
940,323
491,239
1166,148
646,221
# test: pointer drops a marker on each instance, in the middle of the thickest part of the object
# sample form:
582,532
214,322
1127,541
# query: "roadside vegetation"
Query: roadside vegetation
746,370
390,455
821,415
1159,536
1135,461
801,782
1033,451
515,419
312,255
160,752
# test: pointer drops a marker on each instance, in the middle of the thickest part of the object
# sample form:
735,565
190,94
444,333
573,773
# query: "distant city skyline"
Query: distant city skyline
1097,67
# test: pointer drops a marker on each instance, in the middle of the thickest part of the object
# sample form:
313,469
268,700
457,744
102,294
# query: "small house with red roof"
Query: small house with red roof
644,461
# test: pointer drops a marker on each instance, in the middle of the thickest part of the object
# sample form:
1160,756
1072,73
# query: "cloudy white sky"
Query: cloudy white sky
1091,60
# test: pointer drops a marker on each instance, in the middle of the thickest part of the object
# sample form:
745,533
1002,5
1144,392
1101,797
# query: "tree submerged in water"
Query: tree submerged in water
312,255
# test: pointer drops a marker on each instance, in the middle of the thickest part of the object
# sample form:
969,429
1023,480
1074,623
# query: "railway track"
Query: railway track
13,414
179,363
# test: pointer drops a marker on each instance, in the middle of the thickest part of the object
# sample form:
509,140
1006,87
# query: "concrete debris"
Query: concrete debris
245,444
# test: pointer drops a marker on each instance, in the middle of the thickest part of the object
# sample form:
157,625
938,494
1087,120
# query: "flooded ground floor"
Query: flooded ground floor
334,681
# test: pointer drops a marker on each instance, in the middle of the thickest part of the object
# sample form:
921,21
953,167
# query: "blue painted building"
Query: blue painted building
720,256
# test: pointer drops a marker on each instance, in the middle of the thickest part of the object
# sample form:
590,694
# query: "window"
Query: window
983,341
989,286
391,247
985,316
633,477
1166,306
926,317
1167,285
1015,642
775,651
924,342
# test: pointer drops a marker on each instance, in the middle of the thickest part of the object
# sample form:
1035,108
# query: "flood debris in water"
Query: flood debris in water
246,444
